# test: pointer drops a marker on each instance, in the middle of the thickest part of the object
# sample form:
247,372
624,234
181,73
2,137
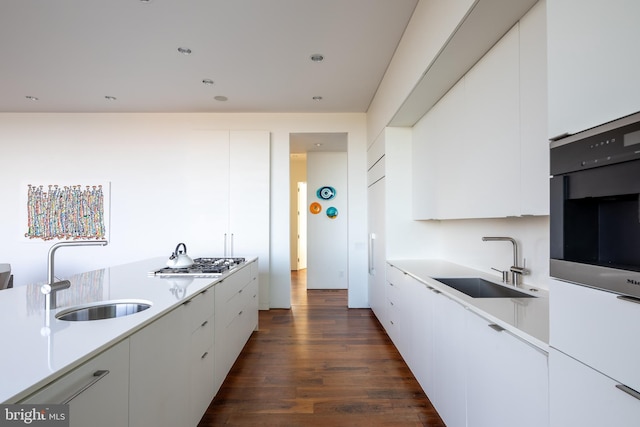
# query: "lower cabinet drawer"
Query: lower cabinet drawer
97,392
581,396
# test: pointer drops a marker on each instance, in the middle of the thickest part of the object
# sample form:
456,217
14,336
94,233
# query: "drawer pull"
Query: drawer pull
240,291
204,323
206,353
240,314
628,390
97,376
496,327
391,302
391,321
629,298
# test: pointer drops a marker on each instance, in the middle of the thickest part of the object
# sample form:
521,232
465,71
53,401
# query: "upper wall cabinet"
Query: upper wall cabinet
482,151
593,63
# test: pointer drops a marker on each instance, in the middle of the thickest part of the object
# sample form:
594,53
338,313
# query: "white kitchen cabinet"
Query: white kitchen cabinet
376,216
422,358
488,155
200,312
592,64
507,379
597,328
477,153
398,312
235,318
449,397
240,185
105,401
159,372
581,396
534,146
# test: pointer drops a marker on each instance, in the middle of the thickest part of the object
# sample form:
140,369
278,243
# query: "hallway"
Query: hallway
320,364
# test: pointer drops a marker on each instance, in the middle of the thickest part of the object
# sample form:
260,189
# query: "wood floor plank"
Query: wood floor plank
320,364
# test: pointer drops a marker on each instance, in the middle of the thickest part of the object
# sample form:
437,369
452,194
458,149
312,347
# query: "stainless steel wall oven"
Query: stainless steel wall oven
595,207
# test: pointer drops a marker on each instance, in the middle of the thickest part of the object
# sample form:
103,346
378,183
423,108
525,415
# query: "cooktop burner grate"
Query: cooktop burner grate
202,267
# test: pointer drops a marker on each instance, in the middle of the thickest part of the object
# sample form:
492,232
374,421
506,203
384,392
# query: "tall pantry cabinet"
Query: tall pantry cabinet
240,186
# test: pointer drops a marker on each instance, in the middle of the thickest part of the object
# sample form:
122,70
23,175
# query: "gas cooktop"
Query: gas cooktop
202,267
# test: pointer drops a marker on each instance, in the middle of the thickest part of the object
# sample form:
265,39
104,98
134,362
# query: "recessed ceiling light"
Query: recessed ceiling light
316,57
318,144
110,98
145,1
317,98
220,98
208,82
184,50
31,98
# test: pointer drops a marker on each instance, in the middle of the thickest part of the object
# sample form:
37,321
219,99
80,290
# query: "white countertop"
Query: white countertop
32,354
527,318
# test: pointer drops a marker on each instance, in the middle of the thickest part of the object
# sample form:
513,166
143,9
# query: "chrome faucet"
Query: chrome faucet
51,287
516,271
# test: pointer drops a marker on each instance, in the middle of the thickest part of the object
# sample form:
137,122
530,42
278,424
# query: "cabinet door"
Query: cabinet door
489,155
249,207
105,402
421,360
507,379
593,67
376,209
534,159
597,328
159,377
449,361
581,396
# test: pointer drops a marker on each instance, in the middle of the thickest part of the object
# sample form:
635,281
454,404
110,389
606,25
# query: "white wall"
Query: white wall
327,254
153,175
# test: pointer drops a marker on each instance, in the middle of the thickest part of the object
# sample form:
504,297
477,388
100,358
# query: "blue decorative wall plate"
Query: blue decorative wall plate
332,212
326,193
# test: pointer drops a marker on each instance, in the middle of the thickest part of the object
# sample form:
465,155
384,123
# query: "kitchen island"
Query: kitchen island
39,349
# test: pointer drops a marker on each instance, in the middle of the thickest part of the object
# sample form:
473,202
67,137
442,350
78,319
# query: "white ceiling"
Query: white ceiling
70,54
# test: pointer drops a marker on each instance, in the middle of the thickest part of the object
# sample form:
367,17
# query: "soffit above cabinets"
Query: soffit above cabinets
485,24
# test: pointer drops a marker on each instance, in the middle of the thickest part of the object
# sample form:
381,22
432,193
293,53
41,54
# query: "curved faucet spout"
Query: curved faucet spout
50,264
516,270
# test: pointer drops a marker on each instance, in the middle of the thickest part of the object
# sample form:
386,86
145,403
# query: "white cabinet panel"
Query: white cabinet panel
581,396
377,244
106,402
482,151
534,157
597,328
449,347
489,153
507,379
159,374
593,67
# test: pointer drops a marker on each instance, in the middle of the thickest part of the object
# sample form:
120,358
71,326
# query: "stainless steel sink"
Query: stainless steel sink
476,287
103,310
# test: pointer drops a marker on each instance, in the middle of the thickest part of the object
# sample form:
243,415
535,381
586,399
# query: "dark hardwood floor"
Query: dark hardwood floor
320,364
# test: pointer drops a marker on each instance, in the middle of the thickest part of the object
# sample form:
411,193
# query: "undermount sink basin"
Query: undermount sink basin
103,310
476,287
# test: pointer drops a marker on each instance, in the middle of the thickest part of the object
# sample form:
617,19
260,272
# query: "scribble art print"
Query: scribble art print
65,212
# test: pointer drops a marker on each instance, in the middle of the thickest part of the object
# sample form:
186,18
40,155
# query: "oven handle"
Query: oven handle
629,298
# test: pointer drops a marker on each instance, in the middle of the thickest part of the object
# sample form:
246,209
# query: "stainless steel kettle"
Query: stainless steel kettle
179,258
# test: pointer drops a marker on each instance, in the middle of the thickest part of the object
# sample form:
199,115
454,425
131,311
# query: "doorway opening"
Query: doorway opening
318,215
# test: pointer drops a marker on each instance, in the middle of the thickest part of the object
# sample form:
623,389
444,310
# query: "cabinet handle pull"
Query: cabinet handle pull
496,327
435,291
97,376
628,390
240,291
206,353
629,298
240,314
204,323
391,321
